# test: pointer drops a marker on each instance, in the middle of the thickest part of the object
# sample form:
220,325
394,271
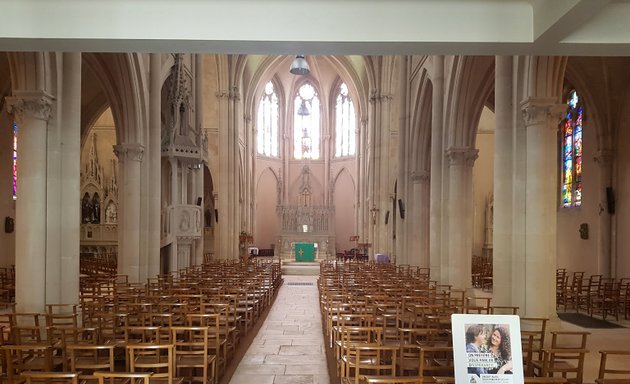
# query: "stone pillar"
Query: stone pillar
503,182
31,111
155,168
198,256
175,201
542,116
460,215
70,179
403,229
604,237
437,158
129,157
418,217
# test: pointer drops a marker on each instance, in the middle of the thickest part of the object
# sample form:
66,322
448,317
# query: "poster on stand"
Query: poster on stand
487,349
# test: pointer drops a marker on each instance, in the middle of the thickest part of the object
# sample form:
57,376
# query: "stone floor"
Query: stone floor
289,348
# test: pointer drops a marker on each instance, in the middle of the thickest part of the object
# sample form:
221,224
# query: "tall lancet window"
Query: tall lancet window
267,123
572,153
306,131
345,123
15,132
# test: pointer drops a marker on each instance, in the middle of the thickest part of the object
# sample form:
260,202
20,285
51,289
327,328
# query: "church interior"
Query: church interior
445,158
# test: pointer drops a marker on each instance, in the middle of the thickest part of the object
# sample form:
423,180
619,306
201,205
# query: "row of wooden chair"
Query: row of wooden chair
595,295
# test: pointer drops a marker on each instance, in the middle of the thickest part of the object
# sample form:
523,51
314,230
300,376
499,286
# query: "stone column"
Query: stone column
175,201
418,217
542,116
437,158
70,179
503,182
199,174
31,111
461,161
155,168
129,158
604,255
403,230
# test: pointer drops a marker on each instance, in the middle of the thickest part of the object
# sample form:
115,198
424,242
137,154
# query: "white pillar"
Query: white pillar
542,116
418,217
604,236
70,179
155,168
31,111
402,251
503,182
437,160
129,158
198,257
461,161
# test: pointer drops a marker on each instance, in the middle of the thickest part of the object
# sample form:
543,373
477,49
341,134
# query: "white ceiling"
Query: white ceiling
341,27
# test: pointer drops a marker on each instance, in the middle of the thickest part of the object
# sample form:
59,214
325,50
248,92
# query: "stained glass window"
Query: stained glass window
15,131
572,153
267,124
306,132
345,138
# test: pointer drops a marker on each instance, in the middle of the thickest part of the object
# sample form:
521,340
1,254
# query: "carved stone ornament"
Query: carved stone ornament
604,157
131,151
542,111
420,177
36,105
462,156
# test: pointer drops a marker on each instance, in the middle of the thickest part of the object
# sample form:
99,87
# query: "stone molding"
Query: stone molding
131,151
604,157
377,95
462,156
33,104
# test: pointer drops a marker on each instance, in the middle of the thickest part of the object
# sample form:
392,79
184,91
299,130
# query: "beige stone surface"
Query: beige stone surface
289,347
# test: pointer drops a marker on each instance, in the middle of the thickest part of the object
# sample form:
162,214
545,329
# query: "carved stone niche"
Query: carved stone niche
185,221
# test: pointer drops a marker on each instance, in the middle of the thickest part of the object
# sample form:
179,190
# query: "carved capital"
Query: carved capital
420,177
130,151
462,156
32,104
604,157
542,111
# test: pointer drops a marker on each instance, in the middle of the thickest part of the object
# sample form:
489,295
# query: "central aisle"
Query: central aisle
289,347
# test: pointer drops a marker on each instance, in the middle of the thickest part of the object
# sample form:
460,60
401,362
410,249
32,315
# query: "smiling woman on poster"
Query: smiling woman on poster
499,347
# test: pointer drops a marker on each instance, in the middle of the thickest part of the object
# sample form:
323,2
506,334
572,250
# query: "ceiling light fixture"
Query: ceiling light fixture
299,66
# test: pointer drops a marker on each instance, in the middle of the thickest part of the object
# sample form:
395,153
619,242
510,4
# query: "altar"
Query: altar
304,251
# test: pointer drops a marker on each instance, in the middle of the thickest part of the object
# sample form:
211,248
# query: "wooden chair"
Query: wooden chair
192,361
25,358
217,343
614,367
51,377
533,331
155,358
123,377
573,341
351,336
88,359
392,380
567,362
370,359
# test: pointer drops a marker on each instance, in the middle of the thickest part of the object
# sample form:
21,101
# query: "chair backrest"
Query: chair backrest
123,377
567,362
88,359
374,358
155,358
613,366
191,349
51,377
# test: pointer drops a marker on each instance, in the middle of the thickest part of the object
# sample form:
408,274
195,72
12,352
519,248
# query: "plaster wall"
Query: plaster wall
483,175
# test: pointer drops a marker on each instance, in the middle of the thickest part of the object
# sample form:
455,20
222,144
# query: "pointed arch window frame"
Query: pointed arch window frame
307,130
571,150
268,126
345,122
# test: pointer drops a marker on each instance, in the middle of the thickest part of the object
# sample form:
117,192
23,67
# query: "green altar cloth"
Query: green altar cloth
304,252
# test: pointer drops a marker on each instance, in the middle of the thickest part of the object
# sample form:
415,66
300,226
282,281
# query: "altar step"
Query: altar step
301,268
